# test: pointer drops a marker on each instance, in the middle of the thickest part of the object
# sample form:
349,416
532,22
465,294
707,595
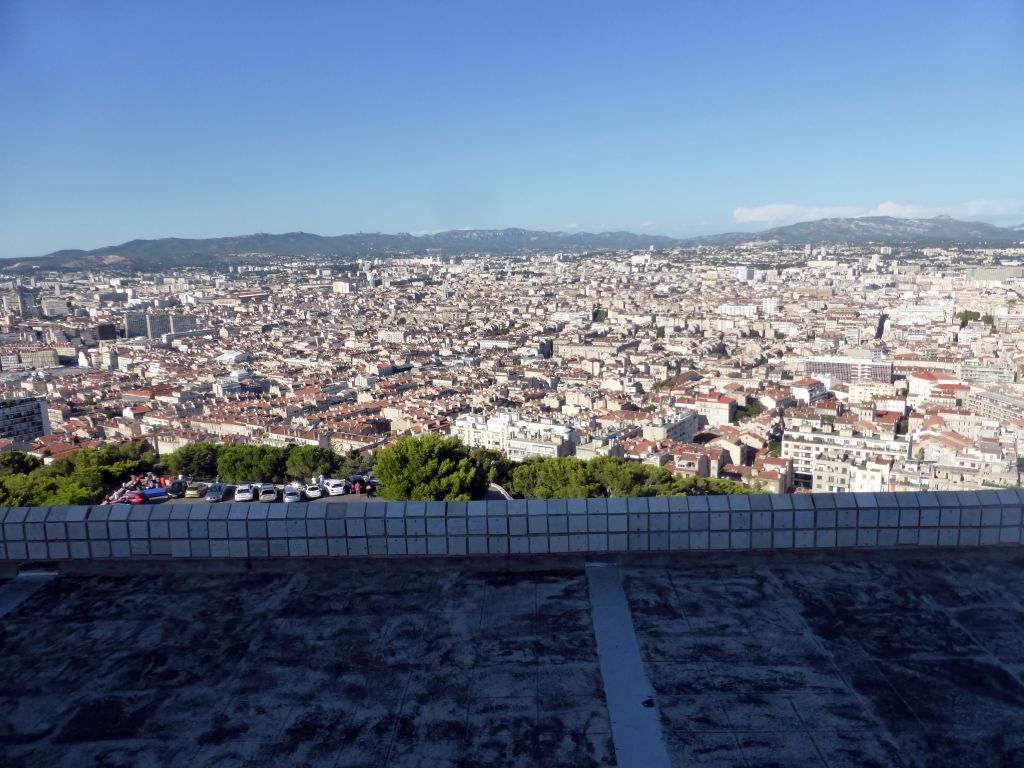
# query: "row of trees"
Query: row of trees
969,316
83,477
263,463
427,468
432,468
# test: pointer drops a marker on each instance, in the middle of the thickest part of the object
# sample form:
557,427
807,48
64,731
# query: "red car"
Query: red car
144,496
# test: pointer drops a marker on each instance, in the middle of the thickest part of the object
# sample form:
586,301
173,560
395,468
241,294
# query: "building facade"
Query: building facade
23,419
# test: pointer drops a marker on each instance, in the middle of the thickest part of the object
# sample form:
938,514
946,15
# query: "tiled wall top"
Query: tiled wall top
1011,497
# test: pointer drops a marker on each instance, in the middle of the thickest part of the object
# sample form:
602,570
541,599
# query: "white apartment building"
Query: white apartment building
842,475
807,445
515,437
717,409
393,335
848,368
995,405
679,426
738,310
345,286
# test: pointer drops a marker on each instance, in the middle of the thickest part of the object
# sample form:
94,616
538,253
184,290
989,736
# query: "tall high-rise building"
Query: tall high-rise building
182,323
106,331
157,325
23,419
134,324
26,303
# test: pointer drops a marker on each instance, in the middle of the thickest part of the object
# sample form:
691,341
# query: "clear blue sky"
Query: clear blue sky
194,118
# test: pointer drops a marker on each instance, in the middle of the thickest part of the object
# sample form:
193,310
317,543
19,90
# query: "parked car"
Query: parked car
313,491
144,496
176,489
217,492
292,494
246,492
268,492
336,487
196,490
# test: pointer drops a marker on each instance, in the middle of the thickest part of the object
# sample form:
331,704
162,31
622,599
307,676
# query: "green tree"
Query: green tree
967,316
498,466
354,463
83,477
306,461
196,459
704,486
72,492
251,464
430,468
751,410
988,320
551,478
137,450
18,463
626,478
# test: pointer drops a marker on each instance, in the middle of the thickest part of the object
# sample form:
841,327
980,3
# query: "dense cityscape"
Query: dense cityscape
782,368
511,385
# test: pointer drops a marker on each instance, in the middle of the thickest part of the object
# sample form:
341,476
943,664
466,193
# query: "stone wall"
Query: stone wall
459,529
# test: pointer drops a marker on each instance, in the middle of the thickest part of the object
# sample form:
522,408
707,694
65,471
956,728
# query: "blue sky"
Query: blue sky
143,119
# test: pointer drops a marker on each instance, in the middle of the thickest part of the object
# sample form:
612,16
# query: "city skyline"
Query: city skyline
144,122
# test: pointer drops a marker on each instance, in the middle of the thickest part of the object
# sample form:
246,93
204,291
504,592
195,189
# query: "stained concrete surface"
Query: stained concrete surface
878,662
755,661
359,664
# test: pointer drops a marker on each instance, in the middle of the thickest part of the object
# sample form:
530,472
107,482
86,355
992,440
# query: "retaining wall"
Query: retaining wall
459,529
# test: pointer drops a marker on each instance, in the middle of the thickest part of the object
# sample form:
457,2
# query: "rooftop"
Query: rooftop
795,659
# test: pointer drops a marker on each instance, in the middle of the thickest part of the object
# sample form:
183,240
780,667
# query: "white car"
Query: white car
313,491
292,494
335,487
246,492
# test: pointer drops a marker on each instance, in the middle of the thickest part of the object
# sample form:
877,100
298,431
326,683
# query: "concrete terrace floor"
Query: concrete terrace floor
869,659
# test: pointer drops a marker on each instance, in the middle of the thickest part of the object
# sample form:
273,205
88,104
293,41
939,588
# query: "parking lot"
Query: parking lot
230,497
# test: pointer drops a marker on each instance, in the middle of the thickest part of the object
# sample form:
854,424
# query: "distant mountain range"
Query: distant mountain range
880,230
170,252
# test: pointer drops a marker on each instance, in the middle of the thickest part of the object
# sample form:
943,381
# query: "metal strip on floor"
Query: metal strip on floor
636,724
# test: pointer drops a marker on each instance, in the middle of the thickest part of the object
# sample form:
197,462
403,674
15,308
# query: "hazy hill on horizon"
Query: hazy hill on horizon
173,252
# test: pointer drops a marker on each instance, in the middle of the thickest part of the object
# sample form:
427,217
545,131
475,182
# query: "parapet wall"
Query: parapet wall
460,529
